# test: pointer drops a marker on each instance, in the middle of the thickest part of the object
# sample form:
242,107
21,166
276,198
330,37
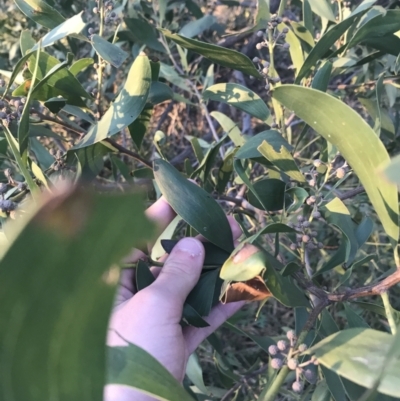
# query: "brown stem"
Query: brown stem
128,152
369,290
350,194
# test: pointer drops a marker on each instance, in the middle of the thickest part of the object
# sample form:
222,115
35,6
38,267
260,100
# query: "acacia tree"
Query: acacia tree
313,191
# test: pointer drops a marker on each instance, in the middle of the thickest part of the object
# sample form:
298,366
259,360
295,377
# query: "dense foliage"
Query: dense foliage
284,114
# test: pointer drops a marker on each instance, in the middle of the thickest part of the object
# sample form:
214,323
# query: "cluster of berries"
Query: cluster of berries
263,67
338,172
271,31
110,16
11,110
284,353
306,234
7,205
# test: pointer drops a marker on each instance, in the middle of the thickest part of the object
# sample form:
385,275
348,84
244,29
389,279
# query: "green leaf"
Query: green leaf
91,159
195,374
295,49
324,44
321,392
217,54
272,191
322,77
55,104
202,297
134,367
191,317
303,33
198,26
122,167
14,146
241,172
62,80
358,354
144,276
230,128
380,25
337,214
139,127
40,12
127,106
80,65
71,26
284,289
282,159
144,33
250,149
354,320
299,195
225,171
240,97
23,126
109,52
391,171
26,41
61,314
364,230
214,255
159,92
194,205
355,140
208,160
380,117
337,259
323,9
263,15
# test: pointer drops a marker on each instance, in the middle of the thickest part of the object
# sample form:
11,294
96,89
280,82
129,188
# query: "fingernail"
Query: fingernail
191,246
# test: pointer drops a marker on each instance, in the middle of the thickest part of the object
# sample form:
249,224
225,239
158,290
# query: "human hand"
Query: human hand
151,317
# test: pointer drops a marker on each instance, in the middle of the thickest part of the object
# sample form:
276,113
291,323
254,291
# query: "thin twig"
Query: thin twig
243,381
352,193
128,152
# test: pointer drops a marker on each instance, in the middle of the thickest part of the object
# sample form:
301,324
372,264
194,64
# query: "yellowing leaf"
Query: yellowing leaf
246,262
283,160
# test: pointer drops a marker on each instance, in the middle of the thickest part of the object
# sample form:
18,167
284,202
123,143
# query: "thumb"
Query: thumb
182,269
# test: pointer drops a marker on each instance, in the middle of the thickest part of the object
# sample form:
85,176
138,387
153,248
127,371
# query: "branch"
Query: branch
366,291
352,193
128,152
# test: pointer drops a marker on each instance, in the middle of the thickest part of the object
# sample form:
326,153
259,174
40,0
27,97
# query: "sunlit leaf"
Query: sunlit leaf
249,150
356,141
109,52
358,355
322,8
217,54
198,26
240,97
378,26
40,12
324,44
73,25
127,106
